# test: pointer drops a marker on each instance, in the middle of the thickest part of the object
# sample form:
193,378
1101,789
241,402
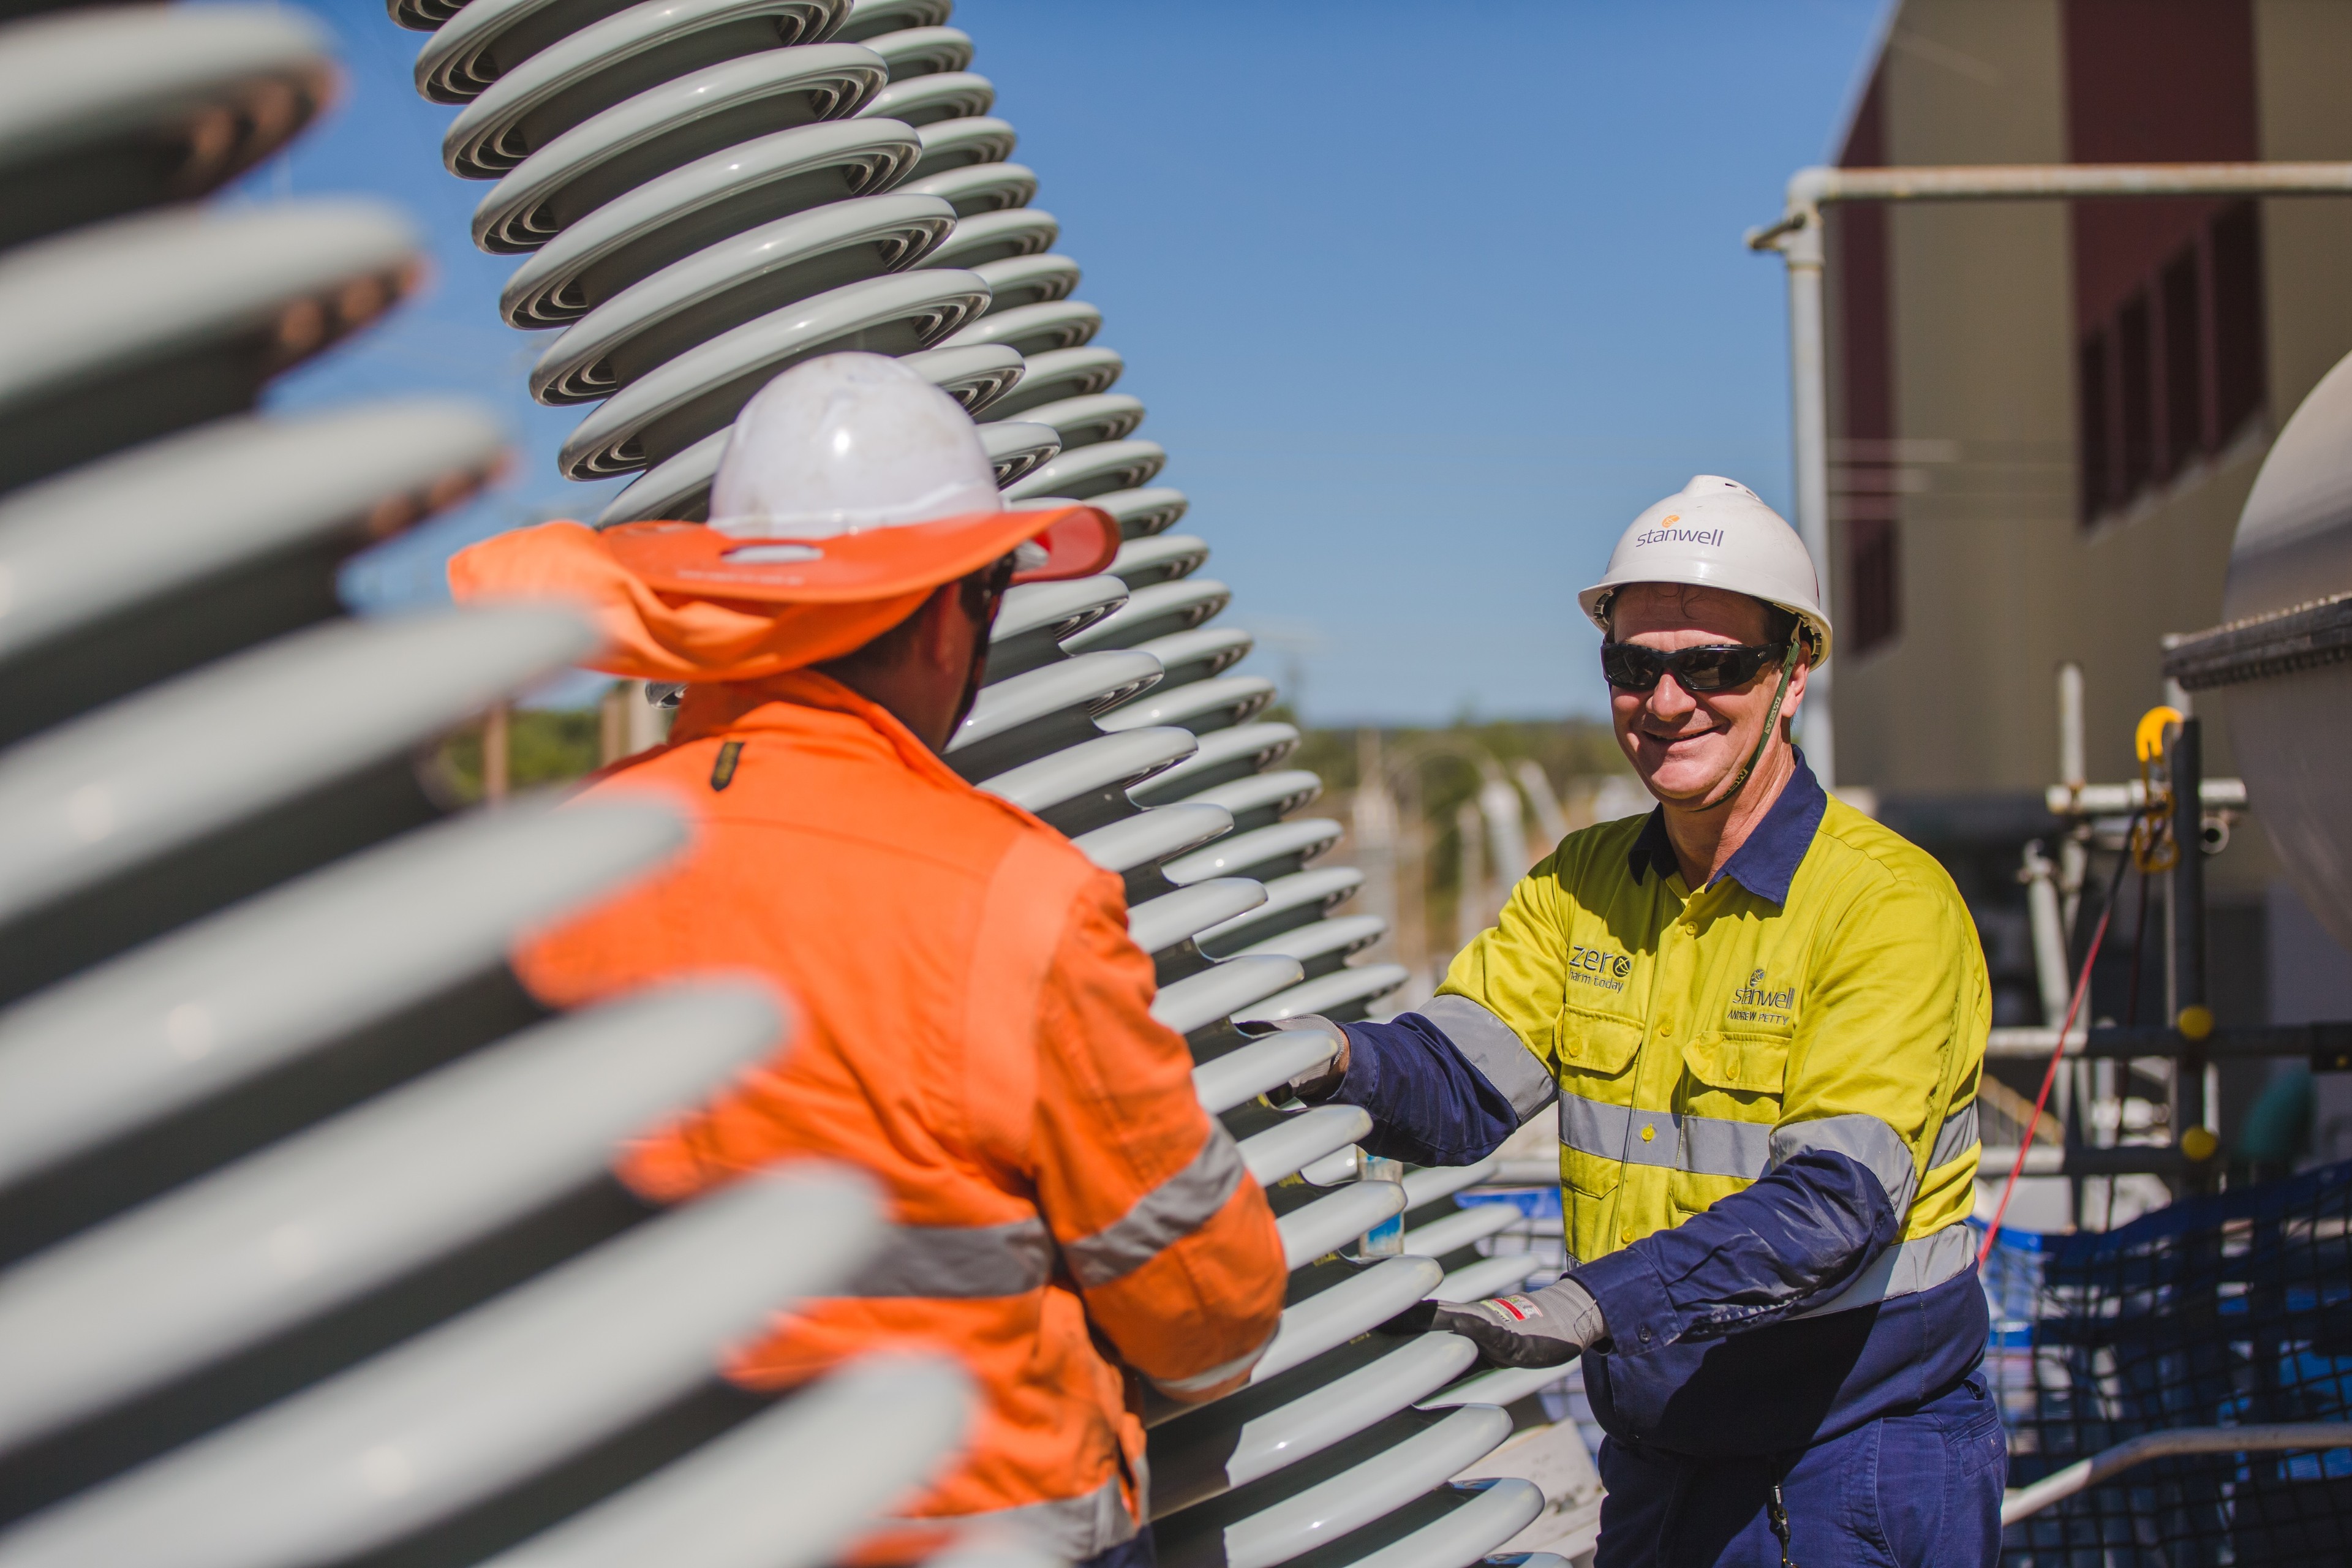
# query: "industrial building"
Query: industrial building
2045,418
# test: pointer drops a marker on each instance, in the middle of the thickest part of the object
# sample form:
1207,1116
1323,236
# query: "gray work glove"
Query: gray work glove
1550,1327
1325,1078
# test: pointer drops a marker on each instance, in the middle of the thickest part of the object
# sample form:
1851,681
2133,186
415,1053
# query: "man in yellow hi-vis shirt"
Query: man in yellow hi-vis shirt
1762,1016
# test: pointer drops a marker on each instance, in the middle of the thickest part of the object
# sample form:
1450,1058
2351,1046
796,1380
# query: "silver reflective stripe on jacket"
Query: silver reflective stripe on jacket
1718,1146
1906,1269
1955,1138
971,1261
961,1261
1071,1529
1495,1048
1162,1217
1707,1145
1864,1139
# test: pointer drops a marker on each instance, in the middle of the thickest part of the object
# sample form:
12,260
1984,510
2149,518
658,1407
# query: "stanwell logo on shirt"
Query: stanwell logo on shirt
1758,1003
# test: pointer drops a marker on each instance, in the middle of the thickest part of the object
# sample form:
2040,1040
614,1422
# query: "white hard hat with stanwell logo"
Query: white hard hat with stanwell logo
1717,533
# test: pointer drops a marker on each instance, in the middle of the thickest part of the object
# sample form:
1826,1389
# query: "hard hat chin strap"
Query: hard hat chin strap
1772,722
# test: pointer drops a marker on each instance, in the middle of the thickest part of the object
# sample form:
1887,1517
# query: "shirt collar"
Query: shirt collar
1653,851
804,702
1767,863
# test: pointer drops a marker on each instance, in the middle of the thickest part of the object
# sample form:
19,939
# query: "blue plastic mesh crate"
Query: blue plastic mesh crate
2233,1310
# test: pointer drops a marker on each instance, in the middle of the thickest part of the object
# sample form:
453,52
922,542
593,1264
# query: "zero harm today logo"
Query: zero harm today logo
1591,966
1756,1003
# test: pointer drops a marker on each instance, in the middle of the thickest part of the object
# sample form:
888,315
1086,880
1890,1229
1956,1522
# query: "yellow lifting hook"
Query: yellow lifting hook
2152,844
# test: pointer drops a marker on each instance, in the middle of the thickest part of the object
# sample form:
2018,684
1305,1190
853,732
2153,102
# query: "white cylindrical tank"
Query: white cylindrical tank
2282,662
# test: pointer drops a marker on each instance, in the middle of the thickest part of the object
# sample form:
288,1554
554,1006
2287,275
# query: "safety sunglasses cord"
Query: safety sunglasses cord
1772,722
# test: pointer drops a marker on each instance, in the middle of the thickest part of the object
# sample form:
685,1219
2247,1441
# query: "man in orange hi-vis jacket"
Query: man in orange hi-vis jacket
976,1026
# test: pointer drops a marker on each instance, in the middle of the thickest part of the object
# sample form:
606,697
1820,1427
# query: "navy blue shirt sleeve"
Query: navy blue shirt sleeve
1792,1240
1429,1105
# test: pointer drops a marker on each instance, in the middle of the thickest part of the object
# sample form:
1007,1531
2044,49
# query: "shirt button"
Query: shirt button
1665,1031
1626,1235
1649,1133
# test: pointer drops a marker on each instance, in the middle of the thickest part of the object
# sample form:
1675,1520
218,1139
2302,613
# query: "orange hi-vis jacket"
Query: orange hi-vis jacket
975,1033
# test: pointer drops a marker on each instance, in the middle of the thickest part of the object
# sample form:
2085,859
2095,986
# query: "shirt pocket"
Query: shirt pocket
1595,1054
1689,1193
1597,1045
1735,1078
1738,1072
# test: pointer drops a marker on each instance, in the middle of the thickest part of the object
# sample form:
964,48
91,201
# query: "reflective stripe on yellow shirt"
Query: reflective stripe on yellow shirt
1696,1040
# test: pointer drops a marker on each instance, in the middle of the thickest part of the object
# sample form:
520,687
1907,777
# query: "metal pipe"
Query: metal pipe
2073,867
1817,186
1808,413
2027,1044
2074,855
2079,1161
2050,967
2039,877
1797,235
2185,905
2073,771
2327,1046
2122,799
2025,1501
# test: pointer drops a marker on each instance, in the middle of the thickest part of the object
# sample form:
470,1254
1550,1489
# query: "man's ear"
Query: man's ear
1795,698
940,637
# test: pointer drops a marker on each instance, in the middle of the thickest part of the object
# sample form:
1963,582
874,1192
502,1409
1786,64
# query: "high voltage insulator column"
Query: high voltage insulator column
307,1249
706,192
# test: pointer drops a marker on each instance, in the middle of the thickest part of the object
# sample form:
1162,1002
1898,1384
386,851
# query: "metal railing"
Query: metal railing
2024,1502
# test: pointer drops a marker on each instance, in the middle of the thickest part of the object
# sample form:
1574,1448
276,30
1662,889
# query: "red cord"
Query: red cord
2057,1055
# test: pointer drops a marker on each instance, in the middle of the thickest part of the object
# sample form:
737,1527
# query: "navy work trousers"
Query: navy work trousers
1918,1489
1135,1552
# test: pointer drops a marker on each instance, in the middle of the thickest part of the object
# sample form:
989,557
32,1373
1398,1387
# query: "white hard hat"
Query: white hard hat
1717,533
845,443
851,478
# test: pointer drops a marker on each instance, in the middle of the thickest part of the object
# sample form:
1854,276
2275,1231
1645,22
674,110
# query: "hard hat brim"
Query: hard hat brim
850,568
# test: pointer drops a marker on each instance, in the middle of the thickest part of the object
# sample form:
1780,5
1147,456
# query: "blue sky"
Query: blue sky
1426,301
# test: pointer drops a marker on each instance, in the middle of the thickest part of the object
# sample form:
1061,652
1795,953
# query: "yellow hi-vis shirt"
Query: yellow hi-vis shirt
1698,1039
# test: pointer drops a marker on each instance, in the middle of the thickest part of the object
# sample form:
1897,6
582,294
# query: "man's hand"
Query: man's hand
1550,1327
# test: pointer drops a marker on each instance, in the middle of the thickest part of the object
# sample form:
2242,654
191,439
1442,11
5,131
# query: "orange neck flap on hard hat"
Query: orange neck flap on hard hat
657,635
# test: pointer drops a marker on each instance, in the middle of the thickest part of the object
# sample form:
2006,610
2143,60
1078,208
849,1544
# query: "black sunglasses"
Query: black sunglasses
1718,666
